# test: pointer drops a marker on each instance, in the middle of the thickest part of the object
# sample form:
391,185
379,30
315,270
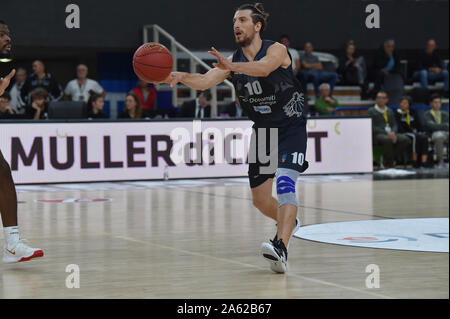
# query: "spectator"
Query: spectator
16,101
78,89
312,71
146,94
408,124
95,106
430,67
353,69
199,108
386,62
436,123
37,109
325,104
385,131
132,108
6,111
40,79
284,39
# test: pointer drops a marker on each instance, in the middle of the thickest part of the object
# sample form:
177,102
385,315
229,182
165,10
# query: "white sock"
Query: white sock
11,235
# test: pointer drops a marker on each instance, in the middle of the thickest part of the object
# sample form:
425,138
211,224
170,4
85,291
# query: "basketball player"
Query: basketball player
261,71
15,249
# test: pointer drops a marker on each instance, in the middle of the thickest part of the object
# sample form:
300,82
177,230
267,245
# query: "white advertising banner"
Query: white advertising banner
113,151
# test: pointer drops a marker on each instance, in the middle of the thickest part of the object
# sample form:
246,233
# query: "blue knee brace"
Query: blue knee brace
286,179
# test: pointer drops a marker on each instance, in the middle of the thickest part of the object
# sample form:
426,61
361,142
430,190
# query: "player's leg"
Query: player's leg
263,199
8,197
15,250
287,202
292,151
261,182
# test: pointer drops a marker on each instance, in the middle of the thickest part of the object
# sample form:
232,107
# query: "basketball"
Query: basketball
152,62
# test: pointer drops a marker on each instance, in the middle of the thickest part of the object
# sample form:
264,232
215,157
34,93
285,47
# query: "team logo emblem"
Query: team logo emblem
295,106
283,158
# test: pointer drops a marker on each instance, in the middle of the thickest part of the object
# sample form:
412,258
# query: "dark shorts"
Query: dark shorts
291,153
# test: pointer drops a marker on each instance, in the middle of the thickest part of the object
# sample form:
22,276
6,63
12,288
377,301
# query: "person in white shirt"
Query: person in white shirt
78,89
284,39
16,103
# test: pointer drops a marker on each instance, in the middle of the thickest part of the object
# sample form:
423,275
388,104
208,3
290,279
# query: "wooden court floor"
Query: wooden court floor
194,239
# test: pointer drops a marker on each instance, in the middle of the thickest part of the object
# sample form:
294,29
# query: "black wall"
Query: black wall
198,24
38,27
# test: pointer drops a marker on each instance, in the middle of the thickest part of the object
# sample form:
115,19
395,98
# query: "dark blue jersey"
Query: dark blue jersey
273,101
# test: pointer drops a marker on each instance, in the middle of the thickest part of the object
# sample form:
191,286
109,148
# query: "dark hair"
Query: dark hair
6,95
258,13
207,95
382,91
2,22
38,93
138,112
93,97
407,98
284,36
435,96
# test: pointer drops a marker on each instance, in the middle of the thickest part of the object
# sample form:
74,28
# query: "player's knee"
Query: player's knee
286,179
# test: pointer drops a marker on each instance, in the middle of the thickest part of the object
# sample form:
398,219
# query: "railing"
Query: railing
194,62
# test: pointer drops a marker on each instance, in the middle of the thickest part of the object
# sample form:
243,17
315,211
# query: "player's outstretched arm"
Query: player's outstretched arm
198,81
276,56
4,82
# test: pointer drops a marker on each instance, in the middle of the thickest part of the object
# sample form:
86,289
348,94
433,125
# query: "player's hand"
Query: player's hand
172,79
222,62
4,82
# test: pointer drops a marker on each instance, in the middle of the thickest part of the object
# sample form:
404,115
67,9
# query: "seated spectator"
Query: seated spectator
408,124
325,104
79,89
312,71
16,101
385,130
95,106
6,111
430,67
199,108
386,62
132,108
284,39
40,79
436,123
38,108
353,69
146,94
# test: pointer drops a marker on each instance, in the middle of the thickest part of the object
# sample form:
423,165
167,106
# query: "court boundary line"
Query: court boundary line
230,261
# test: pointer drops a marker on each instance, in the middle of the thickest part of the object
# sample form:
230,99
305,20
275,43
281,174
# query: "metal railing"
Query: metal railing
194,62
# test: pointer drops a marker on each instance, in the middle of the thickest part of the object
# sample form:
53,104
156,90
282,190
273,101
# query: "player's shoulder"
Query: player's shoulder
276,46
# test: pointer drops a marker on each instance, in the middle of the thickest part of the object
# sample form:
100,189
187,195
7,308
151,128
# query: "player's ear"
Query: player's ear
258,26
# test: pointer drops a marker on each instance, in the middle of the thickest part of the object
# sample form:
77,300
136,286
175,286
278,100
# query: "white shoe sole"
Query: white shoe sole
276,263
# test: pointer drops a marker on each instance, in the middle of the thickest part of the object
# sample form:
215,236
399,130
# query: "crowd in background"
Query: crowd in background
395,131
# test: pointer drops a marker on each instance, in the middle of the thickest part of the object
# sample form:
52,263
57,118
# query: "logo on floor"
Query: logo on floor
419,234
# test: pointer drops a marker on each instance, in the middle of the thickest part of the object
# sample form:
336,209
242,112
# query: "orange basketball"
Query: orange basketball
152,62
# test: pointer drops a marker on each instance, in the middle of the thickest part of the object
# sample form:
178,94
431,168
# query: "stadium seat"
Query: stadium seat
393,85
67,110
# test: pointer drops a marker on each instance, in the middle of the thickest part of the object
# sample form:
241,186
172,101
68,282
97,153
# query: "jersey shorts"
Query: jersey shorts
291,152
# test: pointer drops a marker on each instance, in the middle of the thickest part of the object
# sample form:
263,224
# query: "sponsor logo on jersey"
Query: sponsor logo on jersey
295,105
263,109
